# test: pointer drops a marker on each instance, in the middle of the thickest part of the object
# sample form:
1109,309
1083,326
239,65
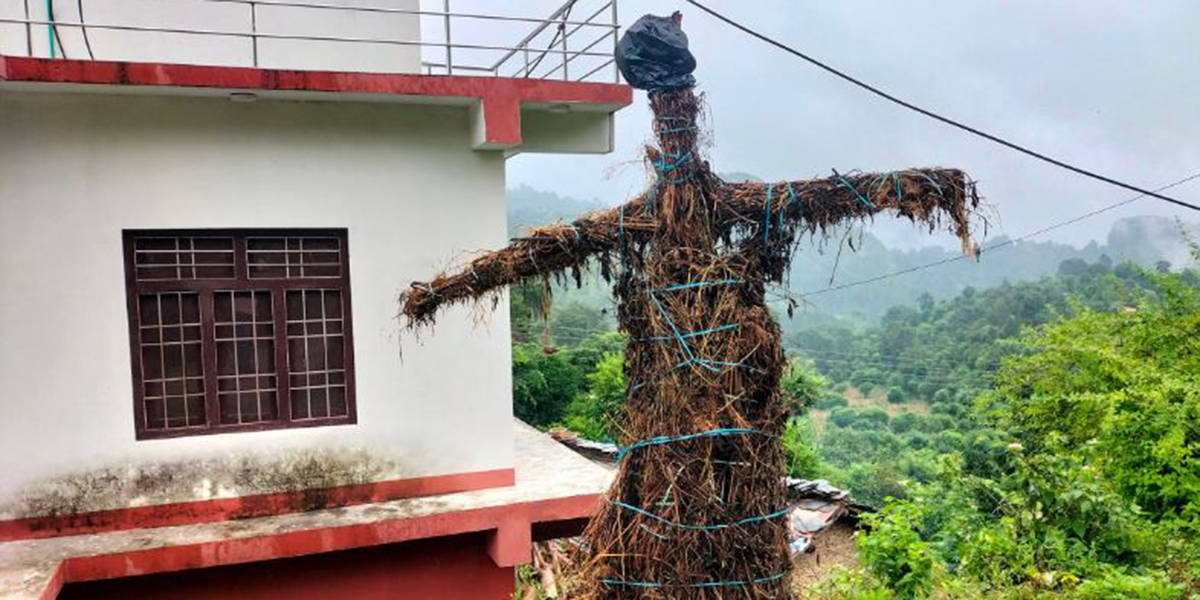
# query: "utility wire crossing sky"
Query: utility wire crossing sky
938,117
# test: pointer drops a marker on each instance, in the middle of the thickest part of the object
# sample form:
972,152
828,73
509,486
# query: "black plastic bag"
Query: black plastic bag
653,55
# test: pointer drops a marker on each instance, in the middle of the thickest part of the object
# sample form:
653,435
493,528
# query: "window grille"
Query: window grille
239,330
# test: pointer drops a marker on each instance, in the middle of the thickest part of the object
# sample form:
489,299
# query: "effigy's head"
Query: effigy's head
653,54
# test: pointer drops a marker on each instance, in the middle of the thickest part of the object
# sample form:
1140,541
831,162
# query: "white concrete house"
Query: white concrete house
207,210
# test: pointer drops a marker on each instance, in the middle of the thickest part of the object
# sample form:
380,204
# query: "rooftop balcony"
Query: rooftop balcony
532,84
575,42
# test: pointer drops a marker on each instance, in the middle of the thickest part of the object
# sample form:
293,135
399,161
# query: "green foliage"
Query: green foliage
850,584
873,482
952,345
801,385
1078,475
943,396
528,302
591,414
1126,385
1133,587
576,319
528,584
1077,478
874,415
907,421
830,402
799,442
583,383
893,551
543,384
843,417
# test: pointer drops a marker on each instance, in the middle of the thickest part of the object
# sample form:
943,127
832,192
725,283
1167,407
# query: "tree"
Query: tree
543,385
801,385
1126,382
591,414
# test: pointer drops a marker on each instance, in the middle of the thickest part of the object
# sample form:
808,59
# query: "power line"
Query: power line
995,246
948,121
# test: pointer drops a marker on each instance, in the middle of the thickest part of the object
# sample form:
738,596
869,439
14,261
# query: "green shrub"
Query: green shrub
799,445
843,417
849,584
936,423
948,441
948,409
831,402
875,415
801,385
906,421
867,424
942,396
915,440
591,413
893,551
995,555
1133,587
873,483
895,395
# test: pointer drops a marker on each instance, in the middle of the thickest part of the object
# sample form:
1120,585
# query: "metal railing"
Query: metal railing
561,46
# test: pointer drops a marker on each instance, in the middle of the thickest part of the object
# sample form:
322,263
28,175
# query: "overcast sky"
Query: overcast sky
1111,85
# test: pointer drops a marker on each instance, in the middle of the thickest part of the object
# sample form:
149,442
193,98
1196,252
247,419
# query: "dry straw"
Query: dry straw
696,510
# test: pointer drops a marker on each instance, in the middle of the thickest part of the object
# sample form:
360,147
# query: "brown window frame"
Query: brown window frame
207,288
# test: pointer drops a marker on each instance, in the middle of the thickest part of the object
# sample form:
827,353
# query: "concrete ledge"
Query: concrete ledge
497,100
553,485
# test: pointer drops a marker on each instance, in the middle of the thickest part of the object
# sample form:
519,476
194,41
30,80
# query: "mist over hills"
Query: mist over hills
1145,240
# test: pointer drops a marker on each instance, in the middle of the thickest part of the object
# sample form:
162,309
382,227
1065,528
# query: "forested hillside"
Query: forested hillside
1145,241
1033,436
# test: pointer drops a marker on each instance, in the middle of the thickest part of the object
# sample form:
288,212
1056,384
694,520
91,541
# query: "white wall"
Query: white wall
77,169
110,44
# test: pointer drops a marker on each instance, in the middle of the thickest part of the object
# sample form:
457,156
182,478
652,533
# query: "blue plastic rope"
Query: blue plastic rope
715,366
682,342
698,284
685,527
701,584
670,439
851,187
692,334
704,584
767,217
622,224
899,188
677,129
680,159
791,199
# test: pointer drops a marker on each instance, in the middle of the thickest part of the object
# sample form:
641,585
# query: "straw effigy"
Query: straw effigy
697,509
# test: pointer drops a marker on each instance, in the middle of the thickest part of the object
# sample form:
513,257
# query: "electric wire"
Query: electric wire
996,246
946,120
83,29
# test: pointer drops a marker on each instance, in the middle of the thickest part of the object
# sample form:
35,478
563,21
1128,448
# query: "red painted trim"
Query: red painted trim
316,541
247,507
56,583
501,96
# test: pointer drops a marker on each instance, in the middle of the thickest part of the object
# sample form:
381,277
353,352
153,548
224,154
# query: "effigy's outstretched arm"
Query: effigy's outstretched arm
542,252
933,197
